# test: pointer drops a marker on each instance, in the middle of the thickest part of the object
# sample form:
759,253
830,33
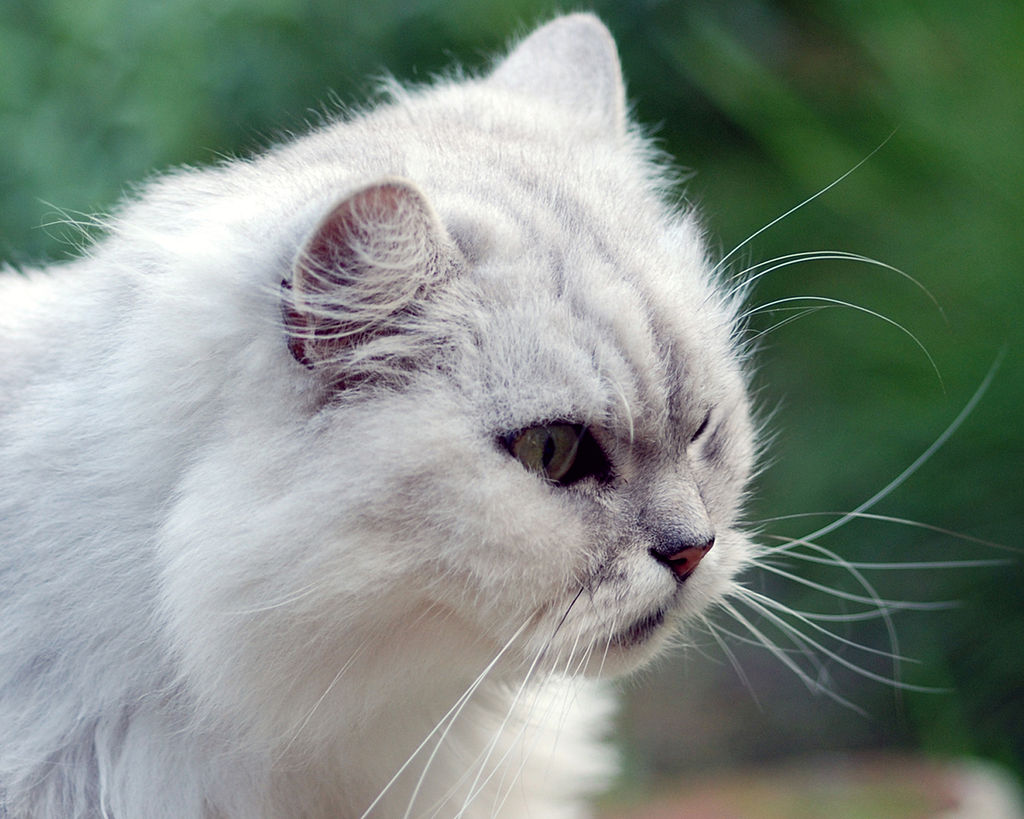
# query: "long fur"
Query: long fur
262,552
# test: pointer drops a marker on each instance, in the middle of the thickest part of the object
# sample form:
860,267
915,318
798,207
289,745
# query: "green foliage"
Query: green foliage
769,102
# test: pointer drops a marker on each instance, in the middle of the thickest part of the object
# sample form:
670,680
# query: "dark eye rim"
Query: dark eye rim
699,432
590,462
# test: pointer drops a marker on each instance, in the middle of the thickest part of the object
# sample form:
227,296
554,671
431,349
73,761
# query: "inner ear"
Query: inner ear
374,255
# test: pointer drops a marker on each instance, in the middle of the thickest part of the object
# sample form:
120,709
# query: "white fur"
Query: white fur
248,574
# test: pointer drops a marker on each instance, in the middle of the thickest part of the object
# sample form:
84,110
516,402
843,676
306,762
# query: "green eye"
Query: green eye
562,453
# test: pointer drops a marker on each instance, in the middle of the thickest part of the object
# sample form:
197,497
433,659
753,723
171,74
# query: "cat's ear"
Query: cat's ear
359,280
572,61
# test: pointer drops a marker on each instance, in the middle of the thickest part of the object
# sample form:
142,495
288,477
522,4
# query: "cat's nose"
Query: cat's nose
682,557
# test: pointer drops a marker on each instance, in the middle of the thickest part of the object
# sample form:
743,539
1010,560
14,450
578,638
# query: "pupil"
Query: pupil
549,450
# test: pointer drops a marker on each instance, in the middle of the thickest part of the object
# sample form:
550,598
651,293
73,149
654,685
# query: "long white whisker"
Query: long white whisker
800,649
477,786
439,744
503,792
296,732
613,628
838,658
305,591
921,459
733,659
884,607
852,306
582,663
844,617
794,209
808,619
480,759
569,672
797,315
856,598
785,659
780,262
787,550
450,714
916,524
569,659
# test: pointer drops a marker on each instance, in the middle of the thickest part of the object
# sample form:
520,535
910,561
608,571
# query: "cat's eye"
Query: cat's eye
560,452
702,428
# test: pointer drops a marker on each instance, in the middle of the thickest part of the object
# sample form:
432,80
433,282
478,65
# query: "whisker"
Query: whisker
300,727
838,658
801,649
613,628
503,792
895,605
788,661
787,549
788,260
798,314
809,620
570,695
477,786
850,617
300,594
484,754
852,306
795,208
920,460
451,714
733,659
569,673
916,524
565,614
884,607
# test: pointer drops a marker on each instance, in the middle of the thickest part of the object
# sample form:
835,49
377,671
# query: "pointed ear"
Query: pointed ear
572,61
360,275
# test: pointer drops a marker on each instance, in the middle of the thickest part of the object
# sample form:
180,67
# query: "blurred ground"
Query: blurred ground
857,787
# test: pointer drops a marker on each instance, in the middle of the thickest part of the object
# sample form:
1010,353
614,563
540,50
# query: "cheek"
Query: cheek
724,479
502,534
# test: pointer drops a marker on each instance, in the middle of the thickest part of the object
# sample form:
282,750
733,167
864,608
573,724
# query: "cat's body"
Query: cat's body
270,521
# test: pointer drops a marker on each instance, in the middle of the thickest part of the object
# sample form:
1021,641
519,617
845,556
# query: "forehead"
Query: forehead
583,329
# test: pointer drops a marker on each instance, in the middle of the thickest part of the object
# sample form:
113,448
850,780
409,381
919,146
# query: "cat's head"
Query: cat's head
511,413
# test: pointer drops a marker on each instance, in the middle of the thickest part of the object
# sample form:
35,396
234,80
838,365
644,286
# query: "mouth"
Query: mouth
640,630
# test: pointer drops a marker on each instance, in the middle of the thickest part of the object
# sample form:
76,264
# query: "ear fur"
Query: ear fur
360,275
572,61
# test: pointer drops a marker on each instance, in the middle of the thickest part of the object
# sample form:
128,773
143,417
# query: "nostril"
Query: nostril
683,558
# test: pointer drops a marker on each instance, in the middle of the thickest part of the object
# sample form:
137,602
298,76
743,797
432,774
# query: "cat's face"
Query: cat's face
567,452
607,435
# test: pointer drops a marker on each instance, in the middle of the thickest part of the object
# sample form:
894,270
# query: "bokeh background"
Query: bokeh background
763,104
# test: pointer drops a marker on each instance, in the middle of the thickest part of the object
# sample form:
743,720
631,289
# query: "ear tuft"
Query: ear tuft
362,272
573,62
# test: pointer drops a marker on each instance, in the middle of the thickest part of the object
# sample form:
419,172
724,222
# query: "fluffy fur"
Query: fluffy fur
264,550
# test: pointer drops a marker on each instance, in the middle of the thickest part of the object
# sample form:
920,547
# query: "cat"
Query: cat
337,481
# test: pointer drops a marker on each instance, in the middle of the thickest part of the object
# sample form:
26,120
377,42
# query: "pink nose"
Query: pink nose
685,561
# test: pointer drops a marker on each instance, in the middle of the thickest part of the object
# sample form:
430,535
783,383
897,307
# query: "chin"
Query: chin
625,651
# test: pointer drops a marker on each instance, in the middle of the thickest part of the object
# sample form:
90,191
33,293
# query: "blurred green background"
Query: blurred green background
764,103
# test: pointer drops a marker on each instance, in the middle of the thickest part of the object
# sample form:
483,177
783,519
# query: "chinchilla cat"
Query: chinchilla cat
336,479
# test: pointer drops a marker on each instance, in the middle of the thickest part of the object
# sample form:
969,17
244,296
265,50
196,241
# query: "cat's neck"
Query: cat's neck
414,699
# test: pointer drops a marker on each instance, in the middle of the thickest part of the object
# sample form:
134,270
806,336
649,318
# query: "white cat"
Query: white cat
334,480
